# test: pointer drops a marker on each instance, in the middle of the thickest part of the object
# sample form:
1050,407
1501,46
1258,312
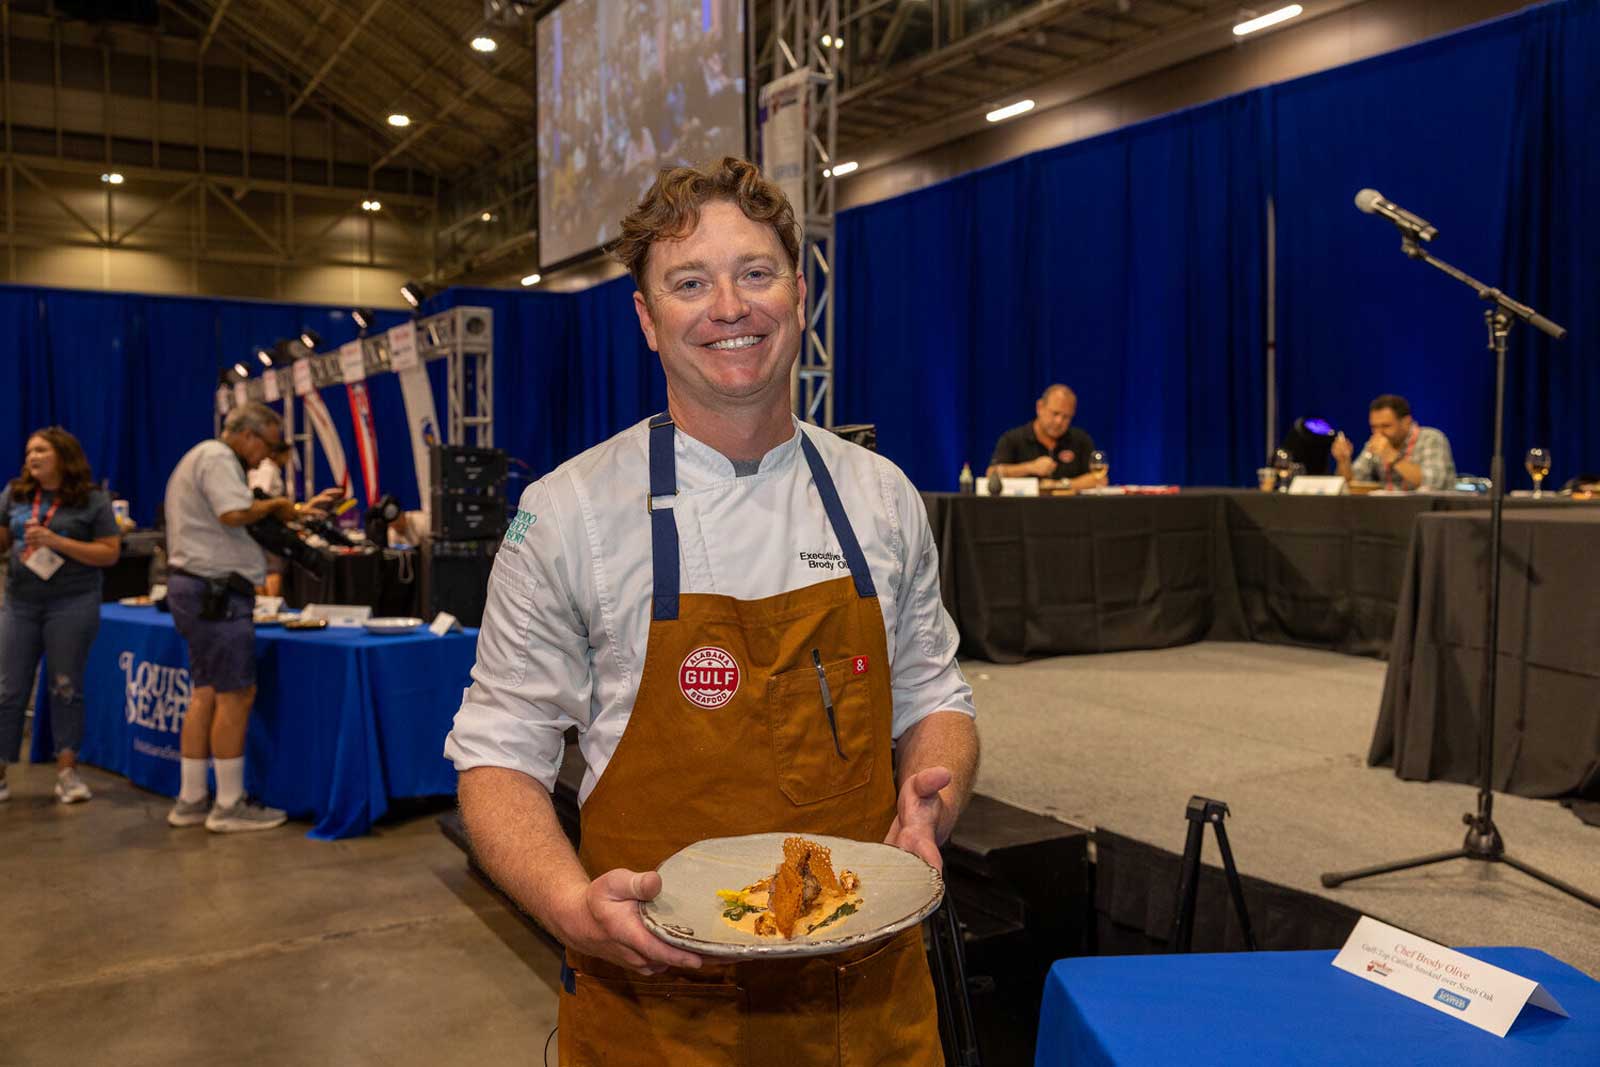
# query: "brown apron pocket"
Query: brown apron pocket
647,1022
809,767
887,1010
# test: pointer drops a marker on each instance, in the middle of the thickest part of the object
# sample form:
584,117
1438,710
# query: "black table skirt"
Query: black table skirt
1029,577
1547,706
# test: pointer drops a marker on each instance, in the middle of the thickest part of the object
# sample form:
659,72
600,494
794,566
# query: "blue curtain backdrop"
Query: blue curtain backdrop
1129,266
1491,135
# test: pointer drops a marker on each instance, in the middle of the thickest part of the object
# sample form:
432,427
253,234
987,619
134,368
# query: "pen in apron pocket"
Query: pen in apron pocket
827,702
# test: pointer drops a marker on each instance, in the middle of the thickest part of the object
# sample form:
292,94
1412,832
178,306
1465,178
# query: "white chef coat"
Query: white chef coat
568,612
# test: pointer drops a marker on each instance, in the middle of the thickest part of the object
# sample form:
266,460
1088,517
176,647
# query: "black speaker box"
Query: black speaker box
455,578
460,469
467,517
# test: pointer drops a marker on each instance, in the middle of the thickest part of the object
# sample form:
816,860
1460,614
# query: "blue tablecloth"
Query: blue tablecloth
343,720
1294,1008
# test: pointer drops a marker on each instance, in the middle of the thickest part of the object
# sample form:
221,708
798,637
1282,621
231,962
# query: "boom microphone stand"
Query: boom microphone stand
1483,840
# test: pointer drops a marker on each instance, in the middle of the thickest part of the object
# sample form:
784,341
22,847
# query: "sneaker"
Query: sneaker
243,816
70,788
189,812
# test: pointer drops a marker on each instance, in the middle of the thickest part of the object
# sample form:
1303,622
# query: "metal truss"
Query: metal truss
464,336
798,30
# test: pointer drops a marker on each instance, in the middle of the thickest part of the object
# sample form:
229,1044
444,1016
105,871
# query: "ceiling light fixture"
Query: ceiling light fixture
484,44
362,317
486,217
414,293
241,371
399,118
839,170
113,178
310,338
1010,111
264,356
371,205
1271,18
531,279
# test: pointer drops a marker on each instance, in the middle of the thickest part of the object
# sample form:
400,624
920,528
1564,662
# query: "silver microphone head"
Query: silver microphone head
1367,200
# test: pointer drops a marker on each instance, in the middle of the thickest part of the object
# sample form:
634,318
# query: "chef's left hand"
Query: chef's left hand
921,809
37,536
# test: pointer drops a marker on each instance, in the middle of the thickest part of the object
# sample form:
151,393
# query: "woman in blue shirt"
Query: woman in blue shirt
60,532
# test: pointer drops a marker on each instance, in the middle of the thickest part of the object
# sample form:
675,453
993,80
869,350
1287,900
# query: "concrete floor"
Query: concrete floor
124,941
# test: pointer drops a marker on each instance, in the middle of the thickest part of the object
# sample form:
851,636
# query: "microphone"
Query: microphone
1372,202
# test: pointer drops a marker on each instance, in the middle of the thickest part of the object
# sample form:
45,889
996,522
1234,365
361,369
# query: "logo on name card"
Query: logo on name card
709,677
1380,969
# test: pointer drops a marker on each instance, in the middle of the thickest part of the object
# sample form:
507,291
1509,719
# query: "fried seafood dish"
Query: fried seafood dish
803,895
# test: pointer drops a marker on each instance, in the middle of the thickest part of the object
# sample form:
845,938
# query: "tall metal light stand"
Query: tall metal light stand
1483,841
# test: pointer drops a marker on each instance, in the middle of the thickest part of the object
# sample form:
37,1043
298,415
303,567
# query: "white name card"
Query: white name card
1317,485
351,364
443,623
346,615
1011,487
269,386
403,346
302,377
1445,980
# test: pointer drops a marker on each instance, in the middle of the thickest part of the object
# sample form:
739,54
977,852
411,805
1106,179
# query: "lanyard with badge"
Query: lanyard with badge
41,559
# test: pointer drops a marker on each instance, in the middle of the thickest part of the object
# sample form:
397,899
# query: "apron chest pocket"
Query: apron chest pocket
809,767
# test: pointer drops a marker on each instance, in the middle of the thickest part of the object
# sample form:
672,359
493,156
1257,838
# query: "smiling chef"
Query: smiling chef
740,614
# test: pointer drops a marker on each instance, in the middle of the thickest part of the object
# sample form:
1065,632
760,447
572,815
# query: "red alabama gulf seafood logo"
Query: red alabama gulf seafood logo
709,677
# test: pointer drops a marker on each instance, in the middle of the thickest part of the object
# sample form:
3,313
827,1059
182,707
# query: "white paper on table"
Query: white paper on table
346,615
1451,982
1318,485
1011,487
443,623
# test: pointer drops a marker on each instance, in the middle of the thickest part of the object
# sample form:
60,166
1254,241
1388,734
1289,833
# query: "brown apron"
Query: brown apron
728,735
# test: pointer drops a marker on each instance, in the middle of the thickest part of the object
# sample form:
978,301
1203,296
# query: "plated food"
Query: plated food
803,895
135,601
397,624
831,893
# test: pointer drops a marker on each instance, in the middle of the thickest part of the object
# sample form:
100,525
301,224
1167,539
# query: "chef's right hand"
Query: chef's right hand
1342,449
1042,466
605,922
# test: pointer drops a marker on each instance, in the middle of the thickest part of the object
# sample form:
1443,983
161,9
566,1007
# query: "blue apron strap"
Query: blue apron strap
663,523
840,521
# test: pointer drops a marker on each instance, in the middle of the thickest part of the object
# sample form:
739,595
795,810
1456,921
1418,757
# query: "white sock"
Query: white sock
192,789
230,781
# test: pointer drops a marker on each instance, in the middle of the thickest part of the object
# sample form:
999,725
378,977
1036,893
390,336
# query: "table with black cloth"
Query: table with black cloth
1044,576
1547,707
344,721
1293,1007
1040,576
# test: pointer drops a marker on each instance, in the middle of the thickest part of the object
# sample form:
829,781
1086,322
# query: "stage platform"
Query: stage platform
1119,742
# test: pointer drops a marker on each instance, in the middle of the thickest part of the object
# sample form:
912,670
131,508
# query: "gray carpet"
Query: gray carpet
1121,741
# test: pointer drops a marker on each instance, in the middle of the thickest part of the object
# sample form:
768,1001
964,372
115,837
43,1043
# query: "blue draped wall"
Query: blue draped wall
1491,134
1130,266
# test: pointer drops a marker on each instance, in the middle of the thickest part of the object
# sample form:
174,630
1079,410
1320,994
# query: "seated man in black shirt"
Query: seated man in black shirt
1049,446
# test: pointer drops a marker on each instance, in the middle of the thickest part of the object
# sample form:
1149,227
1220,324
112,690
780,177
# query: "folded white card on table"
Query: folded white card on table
347,615
1447,981
443,623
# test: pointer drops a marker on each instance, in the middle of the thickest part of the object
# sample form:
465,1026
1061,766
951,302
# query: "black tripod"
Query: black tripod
1203,810
1483,840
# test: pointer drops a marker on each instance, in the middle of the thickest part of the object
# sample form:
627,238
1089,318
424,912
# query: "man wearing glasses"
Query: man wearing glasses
214,569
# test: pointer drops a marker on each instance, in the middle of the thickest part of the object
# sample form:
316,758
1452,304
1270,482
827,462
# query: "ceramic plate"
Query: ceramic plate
392,625
898,890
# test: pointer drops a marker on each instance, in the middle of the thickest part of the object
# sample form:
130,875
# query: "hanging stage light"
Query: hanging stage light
311,338
414,293
362,318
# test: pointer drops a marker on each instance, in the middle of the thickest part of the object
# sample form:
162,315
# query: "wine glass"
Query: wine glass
1099,465
1538,463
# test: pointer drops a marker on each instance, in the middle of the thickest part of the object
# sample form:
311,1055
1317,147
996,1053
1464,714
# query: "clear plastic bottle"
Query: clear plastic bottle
965,481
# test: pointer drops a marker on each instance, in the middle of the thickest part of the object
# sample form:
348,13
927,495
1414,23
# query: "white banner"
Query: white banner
269,386
403,346
302,378
327,436
351,364
782,117
241,394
